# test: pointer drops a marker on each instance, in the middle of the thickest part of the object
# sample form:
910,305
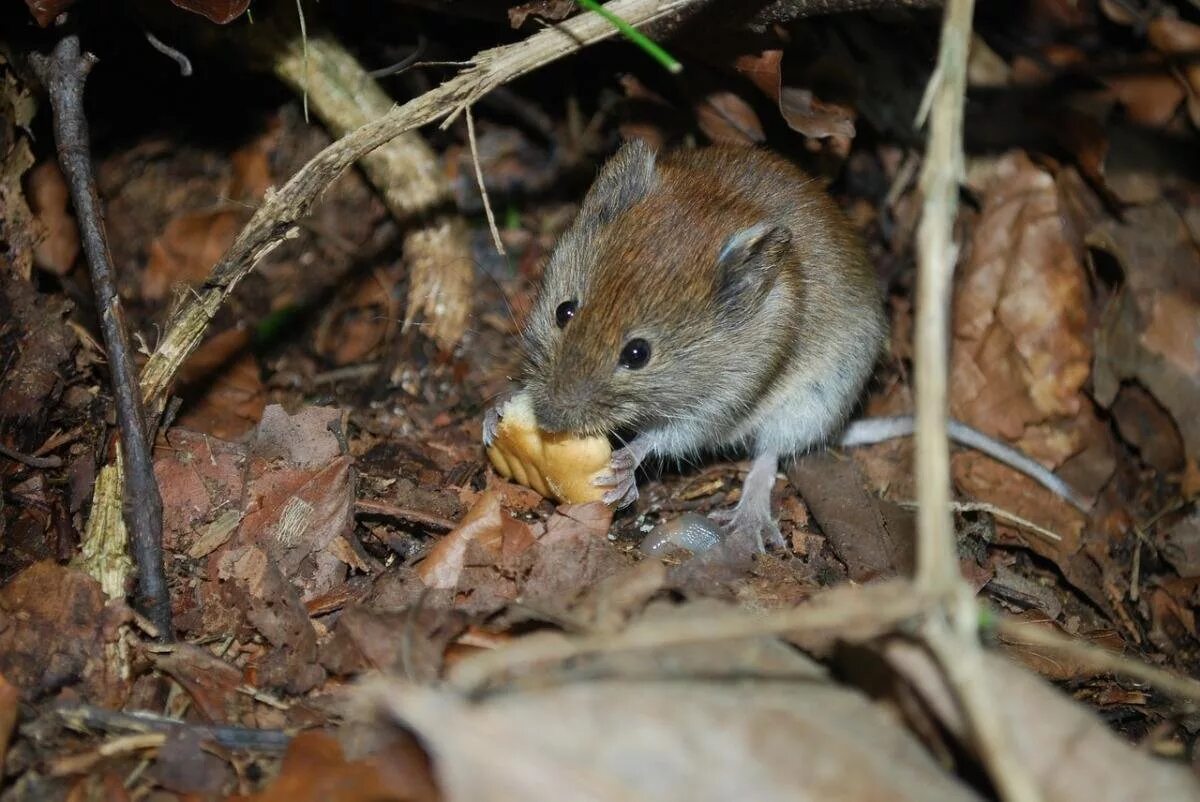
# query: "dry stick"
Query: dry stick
30,460
951,633
64,75
859,613
483,193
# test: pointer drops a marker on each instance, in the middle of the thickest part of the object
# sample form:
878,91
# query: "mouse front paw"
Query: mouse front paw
491,424
621,478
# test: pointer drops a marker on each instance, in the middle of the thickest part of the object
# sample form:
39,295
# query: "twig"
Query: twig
64,74
998,512
31,461
403,64
185,64
1098,660
952,633
384,510
483,193
864,611
86,717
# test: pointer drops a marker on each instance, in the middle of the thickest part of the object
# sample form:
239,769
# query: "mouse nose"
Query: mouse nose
564,409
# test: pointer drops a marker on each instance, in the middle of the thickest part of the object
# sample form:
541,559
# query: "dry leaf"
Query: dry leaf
50,201
218,11
669,739
315,770
726,118
188,248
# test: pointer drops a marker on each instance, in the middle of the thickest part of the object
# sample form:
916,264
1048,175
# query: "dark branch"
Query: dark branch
64,74
87,717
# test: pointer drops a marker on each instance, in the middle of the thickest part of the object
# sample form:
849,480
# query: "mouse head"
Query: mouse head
653,300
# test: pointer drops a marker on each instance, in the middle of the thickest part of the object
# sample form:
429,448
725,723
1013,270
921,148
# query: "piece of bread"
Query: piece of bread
557,465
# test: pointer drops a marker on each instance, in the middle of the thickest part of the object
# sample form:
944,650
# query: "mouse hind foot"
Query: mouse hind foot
749,526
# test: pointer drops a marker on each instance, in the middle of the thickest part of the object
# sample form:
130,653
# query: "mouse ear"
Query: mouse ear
628,177
748,264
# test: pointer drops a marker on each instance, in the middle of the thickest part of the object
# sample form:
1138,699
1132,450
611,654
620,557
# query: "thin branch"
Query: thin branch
31,461
382,509
952,634
483,193
64,74
86,717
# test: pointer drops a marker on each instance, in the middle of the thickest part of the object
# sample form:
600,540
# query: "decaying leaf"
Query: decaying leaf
218,11
1151,332
622,739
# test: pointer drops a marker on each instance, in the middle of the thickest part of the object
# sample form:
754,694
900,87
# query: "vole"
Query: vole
707,299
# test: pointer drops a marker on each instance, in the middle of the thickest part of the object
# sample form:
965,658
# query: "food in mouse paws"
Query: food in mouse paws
556,464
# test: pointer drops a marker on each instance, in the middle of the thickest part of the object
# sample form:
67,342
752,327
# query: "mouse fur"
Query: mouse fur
762,313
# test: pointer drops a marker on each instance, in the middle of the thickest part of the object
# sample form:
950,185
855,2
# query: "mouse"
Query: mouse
708,300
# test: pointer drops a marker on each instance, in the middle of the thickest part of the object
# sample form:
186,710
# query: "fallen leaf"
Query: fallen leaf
10,699
803,111
679,739
549,10
443,565
1151,332
212,684
1043,726
316,770
221,384
218,11
726,118
45,11
1176,37
55,627
50,201
188,248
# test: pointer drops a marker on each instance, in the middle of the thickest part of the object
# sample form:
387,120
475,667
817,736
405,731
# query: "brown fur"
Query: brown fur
643,259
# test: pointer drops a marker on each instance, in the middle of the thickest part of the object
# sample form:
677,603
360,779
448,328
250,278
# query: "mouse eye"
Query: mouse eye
564,313
635,354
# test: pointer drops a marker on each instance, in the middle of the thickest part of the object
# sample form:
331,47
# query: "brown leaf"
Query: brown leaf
197,475
1151,332
54,634
680,739
1149,98
573,554
50,199
872,537
801,109
810,116
550,10
212,684
1042,725
218,11
410,641
44,11
188,248
1147,426
10,699
444,563
726,118
316,770
763,70
231,395
1176,37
